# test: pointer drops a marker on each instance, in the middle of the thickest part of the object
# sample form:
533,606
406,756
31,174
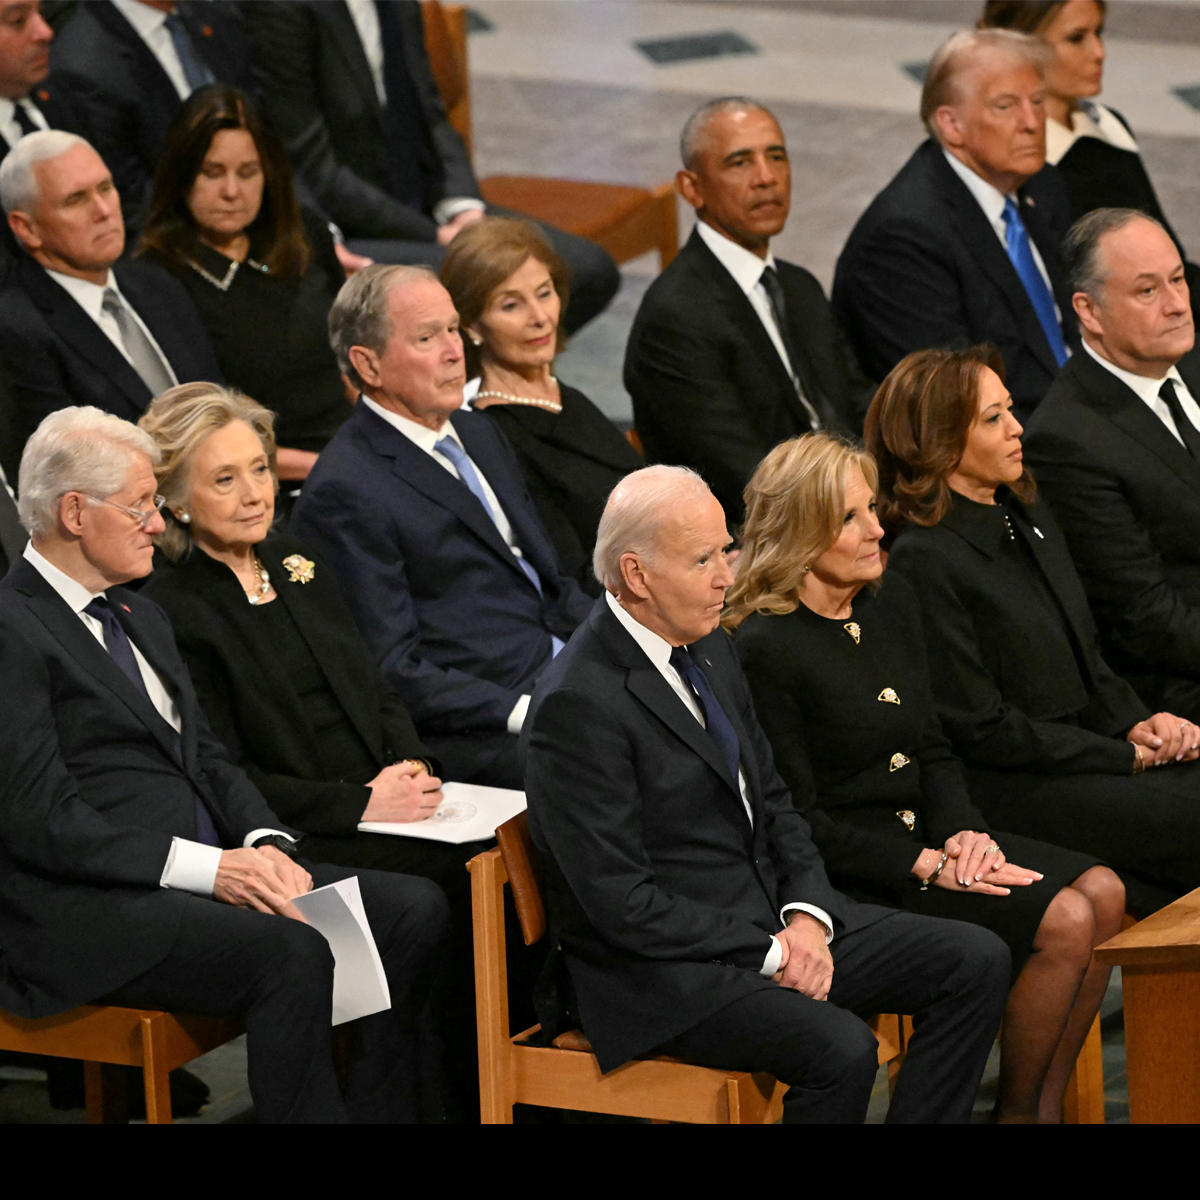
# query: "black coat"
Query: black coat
59,107
1019,680
709,388
127,99
320,95
662,896
58,356
250,698
94,791
1127,495
923,267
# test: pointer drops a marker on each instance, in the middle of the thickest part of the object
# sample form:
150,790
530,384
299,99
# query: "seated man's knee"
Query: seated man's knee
297,954
842,1050
981,957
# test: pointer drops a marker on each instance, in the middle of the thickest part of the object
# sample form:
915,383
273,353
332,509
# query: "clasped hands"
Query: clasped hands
973,866
1167,738
263,879
807,965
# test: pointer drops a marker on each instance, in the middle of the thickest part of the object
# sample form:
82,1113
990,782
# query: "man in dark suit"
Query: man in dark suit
421,509
688,899
350,89
138,865
128,65
75,327
732,351
1115,446
962,246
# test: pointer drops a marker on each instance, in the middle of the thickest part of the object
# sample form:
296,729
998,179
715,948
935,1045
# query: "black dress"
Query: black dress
849,711
571,461
1030,705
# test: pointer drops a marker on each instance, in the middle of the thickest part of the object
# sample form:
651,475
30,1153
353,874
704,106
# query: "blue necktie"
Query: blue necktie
716,722
1020,254
119,647
195,69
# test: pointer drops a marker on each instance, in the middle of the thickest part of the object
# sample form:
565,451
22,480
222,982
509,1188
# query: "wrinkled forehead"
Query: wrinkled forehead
418,303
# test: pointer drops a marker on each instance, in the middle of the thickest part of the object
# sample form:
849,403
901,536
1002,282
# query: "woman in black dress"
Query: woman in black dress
261,271
840,681
510,288
1057,746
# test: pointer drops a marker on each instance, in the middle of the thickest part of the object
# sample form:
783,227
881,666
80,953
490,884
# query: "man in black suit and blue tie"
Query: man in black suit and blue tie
421,508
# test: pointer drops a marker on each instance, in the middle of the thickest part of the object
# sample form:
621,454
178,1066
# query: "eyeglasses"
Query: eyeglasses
142,518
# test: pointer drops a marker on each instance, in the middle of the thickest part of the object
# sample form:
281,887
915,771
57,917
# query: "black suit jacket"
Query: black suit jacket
59,107
319,92
1019,680
662,894
709,388
57,355
1128,496
251,700
459,630
94,791
125,97
923,267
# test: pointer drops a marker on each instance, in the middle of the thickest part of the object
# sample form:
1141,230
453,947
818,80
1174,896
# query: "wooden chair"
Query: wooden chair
515,1070
626,221
110,1038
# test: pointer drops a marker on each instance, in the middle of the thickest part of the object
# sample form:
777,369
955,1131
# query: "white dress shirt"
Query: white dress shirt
1147,391
190,866
9,129
150,24
658,651
90,297
1089,120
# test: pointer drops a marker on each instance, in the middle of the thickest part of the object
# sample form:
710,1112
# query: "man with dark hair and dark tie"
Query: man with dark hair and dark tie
75,327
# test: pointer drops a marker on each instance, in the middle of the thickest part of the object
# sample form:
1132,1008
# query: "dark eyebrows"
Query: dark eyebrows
746,151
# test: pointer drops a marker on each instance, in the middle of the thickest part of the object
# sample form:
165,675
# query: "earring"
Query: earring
806,570
186,518
475,341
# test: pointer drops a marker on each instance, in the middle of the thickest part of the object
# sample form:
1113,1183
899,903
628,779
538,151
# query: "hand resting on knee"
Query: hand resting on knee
265,880
807,965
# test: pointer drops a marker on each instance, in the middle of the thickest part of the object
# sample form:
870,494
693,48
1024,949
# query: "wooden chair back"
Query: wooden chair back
524,878
446,46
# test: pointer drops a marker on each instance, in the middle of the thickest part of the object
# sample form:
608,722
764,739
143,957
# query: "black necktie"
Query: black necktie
120,648
22,118
408,178
716,722
1187,431
774,290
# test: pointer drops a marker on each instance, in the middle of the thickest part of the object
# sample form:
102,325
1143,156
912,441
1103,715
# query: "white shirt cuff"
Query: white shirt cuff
773,959
191,867
446,210
255,834
516,718
813,911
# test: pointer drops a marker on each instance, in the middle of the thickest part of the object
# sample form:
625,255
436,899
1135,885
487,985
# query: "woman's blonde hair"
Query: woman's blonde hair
795,506
179,420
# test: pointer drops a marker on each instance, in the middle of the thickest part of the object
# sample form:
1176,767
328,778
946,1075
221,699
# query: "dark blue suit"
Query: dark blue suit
458,629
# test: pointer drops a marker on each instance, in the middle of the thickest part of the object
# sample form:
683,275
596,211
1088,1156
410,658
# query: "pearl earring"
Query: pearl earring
476,341
186,518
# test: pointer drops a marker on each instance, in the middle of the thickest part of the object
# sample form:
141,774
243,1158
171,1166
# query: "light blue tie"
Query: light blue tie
195,69
1020,254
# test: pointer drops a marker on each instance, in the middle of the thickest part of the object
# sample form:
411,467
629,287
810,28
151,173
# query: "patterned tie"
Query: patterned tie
1187,431
1020,254
774,289
195,69
23,119
147,361
716,722
120,648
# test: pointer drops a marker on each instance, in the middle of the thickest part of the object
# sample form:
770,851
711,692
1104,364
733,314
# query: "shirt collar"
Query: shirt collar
71,590
142,17
656,649
744,265
989,197
88,295
1146,389
424,437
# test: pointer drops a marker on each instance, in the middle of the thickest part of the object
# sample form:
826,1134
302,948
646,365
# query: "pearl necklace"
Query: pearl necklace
554,406
262,583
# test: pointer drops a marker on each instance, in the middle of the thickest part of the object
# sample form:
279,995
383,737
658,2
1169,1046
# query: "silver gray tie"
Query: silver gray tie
147,361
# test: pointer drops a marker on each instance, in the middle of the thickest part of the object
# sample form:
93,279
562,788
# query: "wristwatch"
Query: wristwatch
286,845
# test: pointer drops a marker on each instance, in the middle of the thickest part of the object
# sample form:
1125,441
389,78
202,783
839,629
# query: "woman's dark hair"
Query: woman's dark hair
1025,16
170,228
917,429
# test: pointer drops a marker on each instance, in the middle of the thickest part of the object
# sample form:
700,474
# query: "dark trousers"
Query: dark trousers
594,276
277,974
952,978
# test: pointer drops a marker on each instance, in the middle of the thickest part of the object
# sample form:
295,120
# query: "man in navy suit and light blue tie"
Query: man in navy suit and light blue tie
420,507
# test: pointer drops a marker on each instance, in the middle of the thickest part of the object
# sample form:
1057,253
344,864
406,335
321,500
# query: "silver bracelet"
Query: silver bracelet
933,878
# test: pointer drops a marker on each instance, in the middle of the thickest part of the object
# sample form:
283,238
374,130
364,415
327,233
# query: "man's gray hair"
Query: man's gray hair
359,316
960,51
77,450
634,514
18,180
691,140
1082,262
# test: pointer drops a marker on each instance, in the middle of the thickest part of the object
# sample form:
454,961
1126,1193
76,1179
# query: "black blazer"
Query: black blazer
923,267
709,388
1128,497
662,895
459,630
94,791
319,92
58,356
12,534
128,101
250,699
571,461
1019,680
59,107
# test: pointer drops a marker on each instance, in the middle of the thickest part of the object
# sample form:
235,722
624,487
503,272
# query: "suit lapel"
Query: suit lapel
145,66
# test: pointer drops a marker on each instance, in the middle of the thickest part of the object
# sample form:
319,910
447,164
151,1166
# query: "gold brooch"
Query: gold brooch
300,569
908,817
888,696
898,761
851,627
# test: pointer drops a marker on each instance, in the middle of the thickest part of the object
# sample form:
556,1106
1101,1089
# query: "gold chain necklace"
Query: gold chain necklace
262,582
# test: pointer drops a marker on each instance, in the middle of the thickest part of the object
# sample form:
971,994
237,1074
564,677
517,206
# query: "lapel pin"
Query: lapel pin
127,608
1039,533
1029,202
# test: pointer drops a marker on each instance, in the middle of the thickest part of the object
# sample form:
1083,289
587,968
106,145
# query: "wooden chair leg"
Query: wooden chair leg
491,990
1083,1103
156,1071
106,1091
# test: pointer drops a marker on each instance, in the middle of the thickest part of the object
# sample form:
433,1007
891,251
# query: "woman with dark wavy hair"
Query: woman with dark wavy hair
1056,746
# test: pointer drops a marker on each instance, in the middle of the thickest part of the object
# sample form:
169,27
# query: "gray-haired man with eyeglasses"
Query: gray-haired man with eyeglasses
138,865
